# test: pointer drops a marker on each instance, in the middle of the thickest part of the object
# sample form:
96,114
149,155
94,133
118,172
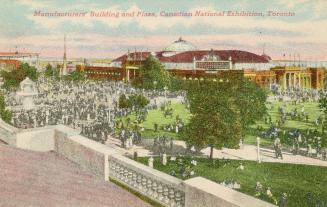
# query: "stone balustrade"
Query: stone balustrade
105,162
158,186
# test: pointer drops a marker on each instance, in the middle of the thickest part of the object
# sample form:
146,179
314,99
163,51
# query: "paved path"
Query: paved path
248,152
37,179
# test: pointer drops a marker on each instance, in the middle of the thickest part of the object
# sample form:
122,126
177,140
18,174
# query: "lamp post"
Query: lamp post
258,150
165,88
155,85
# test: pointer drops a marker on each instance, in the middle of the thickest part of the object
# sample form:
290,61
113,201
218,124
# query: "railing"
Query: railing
158,186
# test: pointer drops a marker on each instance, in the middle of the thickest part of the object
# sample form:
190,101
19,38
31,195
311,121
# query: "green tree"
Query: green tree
76,76
323,107
5,114
251,100
51,72
138,101
217,110
30,71
14,77
123,102
152,75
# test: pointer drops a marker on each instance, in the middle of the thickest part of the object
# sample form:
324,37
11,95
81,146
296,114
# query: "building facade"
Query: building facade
183,59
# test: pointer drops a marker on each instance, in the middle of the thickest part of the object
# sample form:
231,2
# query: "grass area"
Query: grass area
157,116
295,180
311,108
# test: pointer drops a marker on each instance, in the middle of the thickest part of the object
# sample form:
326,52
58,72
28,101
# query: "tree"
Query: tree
217,110
5,114
14,77
51,72
152,75
138,101
76,76
30,71
251,100
323,107
123,102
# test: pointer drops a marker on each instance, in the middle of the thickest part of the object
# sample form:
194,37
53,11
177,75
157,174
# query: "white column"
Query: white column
258,150
285,80
294,80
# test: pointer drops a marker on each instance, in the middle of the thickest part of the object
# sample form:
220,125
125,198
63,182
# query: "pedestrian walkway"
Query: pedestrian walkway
248,152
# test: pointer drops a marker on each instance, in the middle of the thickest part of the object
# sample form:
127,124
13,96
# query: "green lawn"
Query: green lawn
156,116
312,108
295,180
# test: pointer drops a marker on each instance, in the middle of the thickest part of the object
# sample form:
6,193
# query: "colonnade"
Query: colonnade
297,80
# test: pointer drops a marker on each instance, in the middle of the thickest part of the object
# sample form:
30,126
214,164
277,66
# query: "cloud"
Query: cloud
91,36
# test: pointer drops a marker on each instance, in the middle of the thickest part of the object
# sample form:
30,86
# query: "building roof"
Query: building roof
18,54
238,56
180,45
47,179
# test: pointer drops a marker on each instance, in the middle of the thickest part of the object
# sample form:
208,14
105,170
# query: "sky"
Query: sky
303,35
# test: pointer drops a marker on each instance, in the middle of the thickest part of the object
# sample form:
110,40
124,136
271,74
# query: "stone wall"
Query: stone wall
91,156
202,192
40,139
8,133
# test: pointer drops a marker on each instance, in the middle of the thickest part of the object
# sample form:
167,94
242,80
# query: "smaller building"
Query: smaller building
9,65
24,57
290,77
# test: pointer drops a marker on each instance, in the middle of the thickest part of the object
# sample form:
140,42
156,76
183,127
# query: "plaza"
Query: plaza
95,114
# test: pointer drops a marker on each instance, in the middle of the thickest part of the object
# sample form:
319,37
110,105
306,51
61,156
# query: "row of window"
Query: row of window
103,73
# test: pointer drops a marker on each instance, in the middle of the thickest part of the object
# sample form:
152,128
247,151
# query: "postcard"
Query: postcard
190,103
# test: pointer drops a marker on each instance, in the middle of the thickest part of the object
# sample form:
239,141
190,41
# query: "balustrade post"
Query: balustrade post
144,181
112,167
172,197
130,180
125,175
160,191
166,193
118,171
178,199
149,187
139,182
154,188
134,180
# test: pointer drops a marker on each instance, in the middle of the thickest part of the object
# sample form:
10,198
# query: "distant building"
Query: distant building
16,58
183,59
9,65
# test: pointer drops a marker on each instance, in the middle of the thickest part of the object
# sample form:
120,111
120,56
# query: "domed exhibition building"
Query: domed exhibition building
185,60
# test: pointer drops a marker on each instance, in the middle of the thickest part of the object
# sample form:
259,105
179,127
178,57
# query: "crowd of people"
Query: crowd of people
298,95
89,106
307,141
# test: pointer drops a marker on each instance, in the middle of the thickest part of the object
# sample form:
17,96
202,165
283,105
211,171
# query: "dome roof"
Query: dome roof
180,46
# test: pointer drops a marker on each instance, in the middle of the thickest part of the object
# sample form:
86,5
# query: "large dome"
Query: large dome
180,46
